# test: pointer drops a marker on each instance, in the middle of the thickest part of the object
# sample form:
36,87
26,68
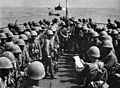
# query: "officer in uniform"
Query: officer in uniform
34,47
35,72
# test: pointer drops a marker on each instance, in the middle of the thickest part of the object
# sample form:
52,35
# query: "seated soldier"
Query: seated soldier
92,71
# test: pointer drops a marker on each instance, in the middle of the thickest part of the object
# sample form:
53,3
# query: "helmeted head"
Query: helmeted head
15,39
115,32
16,49
36,70
107,44
34,34
3,37
24,37
9,46
49,33
5,63
93,52
10,56
94,34
21,42
28,34
106,47
103,33
9,34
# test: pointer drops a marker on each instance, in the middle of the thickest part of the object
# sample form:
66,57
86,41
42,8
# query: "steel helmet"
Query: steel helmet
20,29
9,45
16,49
115,32
49,32
94,34
3,36
28,34
23,36
90,30
5,63
10,56
104,38
9,34
21,42
107,44
103,33
15,40
36,70
94,52
34,33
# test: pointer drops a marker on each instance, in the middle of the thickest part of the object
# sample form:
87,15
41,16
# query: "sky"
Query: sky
53,3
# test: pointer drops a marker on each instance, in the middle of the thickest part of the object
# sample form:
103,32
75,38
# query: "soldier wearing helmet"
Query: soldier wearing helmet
109,24
5,72
35,72
34,47
107,55
24,54
93,66
9,36
114,38
94,39
3,38
63,38
17,53
47,49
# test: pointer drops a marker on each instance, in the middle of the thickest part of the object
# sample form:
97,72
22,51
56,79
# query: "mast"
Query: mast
66,9
66,13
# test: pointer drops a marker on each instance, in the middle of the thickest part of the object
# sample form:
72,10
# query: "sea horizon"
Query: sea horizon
25,14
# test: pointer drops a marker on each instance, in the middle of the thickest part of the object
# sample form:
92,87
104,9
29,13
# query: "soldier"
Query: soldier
24,55
5,72
3,38
10,56
109,24
47,49
94,39
107,55
35,72
34,48
94,55
9,36
17,51
63,38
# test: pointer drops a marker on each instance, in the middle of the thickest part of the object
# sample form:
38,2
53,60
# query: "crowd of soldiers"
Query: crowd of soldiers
30,52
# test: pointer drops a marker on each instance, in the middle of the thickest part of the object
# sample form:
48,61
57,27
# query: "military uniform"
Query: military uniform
34,49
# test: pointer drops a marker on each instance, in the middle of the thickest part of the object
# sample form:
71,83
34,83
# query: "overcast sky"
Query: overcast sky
52,3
